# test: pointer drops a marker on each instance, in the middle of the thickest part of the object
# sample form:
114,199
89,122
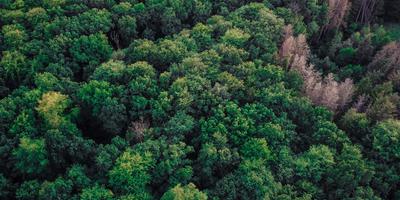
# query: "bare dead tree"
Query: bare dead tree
366,11
114,36
346,90
286,51
287,31
294,53
330,94
387,60
137,129
291,47
337,11
395,78
295,6
360,104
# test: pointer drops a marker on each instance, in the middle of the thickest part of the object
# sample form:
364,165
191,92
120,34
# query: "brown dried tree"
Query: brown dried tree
330,94
287,47
293,48
387,60
364,11
294,54
361,103
337,10
346,90
137,129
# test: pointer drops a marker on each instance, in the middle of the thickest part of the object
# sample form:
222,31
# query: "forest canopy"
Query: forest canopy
199,99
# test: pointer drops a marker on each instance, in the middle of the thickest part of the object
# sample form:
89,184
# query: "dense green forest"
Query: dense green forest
199,99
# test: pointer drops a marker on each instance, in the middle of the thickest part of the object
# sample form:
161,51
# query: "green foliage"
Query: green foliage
252,180
263,24
78,177
393,30
31,156
179,125
46,81
187,192
58,189
314,163
13,36
235,37
130,175
37,15
346,55
15,66
28,190
202,36
172,165
386,139
127,26
51,107
356,124
3,186
96,192
290,17
256,149
101,99
156,99
351,166
383,108
89,51
355,71
24,125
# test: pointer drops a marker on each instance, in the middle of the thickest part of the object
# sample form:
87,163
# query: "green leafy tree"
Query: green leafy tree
266,27
130,175
13,36
256,149
96,193
357,125
15,67
252,180
101,100
142,88
28,190
58,189
31,156
24,125
172,164
47,82
350,173
95,20
187,192
107,154
235,37
315,163
386,139
327,133
383,108
78,177
112,71
37,15
88,52
127,28
179,125
52,106
4,190
202,35
140,50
